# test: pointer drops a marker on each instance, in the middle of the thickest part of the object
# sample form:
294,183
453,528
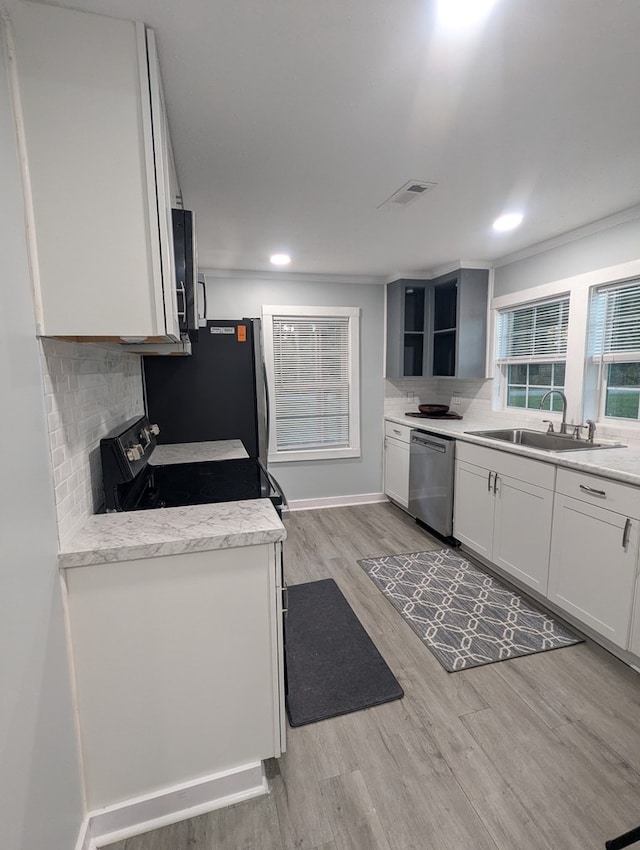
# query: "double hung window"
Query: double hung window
531,350
312,358
614,348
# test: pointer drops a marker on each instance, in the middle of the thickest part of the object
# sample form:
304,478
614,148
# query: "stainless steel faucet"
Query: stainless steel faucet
563,426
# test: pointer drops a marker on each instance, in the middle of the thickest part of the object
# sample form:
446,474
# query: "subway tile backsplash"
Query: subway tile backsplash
89,389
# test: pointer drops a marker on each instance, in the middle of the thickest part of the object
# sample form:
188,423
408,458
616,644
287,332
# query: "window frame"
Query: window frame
502,363
603,418
353,449
598,362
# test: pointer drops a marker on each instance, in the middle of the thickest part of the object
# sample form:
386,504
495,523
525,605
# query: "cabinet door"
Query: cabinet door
407,311
591,573
89,163
522,531
162,172
396,471
473,508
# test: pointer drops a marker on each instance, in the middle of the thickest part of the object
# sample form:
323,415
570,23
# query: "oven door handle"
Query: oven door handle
284,507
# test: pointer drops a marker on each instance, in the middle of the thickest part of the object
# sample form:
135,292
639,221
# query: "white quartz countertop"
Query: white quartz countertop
621,464
198,452
127,536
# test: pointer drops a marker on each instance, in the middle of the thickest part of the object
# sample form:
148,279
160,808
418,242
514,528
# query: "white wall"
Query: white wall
40,797
233,298
574,268
618,244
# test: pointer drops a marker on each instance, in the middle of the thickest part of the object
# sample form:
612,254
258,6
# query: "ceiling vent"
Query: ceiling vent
407,194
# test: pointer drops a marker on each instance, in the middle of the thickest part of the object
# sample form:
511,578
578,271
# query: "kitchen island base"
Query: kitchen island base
178,666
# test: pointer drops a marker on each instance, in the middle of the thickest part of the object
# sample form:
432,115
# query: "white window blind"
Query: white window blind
533,333
614,323
312,361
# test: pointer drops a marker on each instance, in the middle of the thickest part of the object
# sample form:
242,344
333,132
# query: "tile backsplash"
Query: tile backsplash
89,389
474,400
463,396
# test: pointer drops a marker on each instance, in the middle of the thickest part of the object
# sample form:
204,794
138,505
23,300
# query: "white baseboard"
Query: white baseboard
179,802
336,501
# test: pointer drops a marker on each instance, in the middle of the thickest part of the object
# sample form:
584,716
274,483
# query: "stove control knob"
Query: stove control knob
155,429
135,452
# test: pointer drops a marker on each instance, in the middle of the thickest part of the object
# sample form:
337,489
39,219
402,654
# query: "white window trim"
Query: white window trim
353,314
596,369
579,288
512,302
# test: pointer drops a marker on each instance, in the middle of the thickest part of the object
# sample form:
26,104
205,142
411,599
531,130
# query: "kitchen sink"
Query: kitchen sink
543,440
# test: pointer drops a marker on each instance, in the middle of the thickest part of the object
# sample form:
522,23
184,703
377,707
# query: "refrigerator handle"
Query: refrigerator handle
267,406
262,399
284,509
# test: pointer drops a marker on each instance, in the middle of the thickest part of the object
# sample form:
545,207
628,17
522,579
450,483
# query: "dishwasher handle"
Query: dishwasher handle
430,444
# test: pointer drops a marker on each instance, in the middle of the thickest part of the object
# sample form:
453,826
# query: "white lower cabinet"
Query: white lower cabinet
503,511
474,508
594,554
396,462
178,664
522,531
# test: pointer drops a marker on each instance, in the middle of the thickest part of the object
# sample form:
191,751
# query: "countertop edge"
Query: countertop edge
595,466
143,551
126,536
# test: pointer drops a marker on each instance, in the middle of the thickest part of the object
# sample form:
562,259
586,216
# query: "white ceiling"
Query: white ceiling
293,120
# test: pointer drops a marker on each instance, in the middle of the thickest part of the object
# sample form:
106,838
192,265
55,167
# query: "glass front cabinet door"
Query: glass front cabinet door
438,328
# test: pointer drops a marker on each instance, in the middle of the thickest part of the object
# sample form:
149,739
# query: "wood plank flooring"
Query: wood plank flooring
535,753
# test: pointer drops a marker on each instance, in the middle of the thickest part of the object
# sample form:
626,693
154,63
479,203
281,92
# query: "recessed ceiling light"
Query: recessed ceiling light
507,222
280,259
461,13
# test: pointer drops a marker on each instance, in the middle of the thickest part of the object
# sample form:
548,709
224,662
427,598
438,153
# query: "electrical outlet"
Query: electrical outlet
455,399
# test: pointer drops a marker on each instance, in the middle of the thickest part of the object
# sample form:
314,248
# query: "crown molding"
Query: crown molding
290,277
440,270
461,264
570,236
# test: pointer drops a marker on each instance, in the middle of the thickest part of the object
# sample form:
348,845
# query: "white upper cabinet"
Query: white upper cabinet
96,161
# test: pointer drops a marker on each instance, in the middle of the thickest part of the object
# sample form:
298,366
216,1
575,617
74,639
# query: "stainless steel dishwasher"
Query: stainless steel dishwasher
431,472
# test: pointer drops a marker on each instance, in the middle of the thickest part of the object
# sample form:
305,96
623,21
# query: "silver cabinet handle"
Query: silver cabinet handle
489,482
395,431
495,483
625,533
285,600
182,313
592,490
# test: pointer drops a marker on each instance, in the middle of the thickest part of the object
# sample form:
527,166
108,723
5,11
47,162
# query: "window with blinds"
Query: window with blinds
312,365
531,349
533,333
614,347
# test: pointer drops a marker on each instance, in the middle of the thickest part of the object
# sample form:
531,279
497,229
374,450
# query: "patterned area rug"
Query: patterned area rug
465,616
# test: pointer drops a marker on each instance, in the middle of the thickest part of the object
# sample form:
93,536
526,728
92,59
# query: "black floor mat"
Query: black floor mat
333,666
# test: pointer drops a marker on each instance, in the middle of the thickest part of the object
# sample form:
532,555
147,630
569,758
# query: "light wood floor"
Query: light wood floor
536,753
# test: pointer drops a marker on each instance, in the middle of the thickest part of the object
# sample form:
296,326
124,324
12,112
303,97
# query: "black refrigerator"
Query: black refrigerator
217,393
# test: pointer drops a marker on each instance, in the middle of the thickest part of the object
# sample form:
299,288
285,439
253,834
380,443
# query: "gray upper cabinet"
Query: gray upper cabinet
407,328
438,328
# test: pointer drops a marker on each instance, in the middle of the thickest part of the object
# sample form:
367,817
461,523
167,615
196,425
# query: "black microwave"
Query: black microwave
184,245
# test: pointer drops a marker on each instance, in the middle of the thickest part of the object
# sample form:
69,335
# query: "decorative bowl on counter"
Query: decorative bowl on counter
433,409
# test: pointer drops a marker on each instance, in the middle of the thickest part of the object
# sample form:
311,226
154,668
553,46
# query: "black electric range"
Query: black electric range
132,483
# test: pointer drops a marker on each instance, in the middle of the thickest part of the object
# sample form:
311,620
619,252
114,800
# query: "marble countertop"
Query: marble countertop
619,464
198,452
105,538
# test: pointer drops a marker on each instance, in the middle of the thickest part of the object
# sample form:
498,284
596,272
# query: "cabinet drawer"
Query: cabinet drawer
613,495
398,432
505,463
